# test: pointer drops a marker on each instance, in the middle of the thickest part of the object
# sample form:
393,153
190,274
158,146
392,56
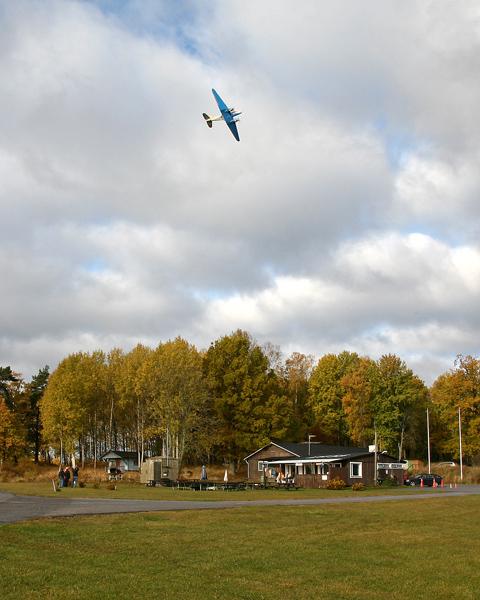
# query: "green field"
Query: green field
428,549
136,491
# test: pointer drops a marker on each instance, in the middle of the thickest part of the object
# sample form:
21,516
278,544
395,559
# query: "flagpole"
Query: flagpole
428,443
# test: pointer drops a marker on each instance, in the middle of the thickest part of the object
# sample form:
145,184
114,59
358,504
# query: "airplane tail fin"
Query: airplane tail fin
207,119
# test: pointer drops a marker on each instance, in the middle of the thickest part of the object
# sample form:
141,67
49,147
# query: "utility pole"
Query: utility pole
428,444
460,443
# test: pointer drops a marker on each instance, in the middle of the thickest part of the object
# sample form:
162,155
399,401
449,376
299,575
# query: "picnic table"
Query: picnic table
287,485
227,486
272,485
114,474
205,484
164,482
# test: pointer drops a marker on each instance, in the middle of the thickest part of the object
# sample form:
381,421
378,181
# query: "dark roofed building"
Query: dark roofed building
312,464
121,460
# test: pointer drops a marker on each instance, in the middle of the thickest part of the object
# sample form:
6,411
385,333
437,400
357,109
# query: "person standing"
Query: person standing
75,477
66,476
61,477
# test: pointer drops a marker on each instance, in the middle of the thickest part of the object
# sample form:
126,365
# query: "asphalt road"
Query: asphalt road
21,508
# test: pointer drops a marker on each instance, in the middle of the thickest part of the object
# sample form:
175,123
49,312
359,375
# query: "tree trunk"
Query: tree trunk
95,441
37,435
400,445
110,427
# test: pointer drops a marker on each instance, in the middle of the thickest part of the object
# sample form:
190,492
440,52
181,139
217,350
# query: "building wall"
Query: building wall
158,467
131,465
368,472
310,481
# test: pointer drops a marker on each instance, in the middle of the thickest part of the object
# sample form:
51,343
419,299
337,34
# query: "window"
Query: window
355,469
262,465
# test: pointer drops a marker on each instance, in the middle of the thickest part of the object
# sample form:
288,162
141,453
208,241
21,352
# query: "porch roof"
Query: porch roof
310,460
123,455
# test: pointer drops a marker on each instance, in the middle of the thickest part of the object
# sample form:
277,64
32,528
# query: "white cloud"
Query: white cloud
346,217
443,195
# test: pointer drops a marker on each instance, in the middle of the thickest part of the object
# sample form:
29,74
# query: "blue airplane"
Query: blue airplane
229,115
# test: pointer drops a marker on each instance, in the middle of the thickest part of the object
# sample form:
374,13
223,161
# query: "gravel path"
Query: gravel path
20,508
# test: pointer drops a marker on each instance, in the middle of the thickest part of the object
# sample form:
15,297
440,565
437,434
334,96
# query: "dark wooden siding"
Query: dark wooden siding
309,481
343,473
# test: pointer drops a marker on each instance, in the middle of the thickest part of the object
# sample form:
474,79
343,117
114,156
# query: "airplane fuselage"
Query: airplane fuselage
233,112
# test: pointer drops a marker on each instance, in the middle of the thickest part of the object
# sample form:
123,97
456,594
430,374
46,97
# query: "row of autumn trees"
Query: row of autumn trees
221,404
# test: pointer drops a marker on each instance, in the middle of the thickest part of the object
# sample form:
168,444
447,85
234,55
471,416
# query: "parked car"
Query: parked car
428,479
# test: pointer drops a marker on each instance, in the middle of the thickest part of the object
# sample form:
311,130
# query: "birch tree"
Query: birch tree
132,397
173,383
63,413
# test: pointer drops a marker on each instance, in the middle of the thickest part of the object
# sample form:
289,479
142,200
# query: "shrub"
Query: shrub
336,484
358,487
82,484
111,486
389,482
96,485
475,475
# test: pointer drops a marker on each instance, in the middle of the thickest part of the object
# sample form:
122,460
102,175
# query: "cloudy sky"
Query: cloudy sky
346,218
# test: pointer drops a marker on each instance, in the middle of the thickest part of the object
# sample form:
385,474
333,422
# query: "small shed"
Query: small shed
158,468
121,461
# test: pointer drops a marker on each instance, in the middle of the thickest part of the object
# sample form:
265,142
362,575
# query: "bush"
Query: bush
389,482
96,485
474,475
111,486
336,484
358,487
82,484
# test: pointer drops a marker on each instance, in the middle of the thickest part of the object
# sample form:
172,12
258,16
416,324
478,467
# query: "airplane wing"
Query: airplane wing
221,104
233,128
227,116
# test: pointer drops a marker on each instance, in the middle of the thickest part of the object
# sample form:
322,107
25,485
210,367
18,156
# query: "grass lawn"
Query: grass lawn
422,550
137,491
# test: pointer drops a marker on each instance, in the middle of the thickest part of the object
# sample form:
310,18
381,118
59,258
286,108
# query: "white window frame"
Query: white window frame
359,464
262,465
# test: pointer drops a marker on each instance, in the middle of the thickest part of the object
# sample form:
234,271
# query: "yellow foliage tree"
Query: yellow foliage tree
63,408
172,382
10,438
458,389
